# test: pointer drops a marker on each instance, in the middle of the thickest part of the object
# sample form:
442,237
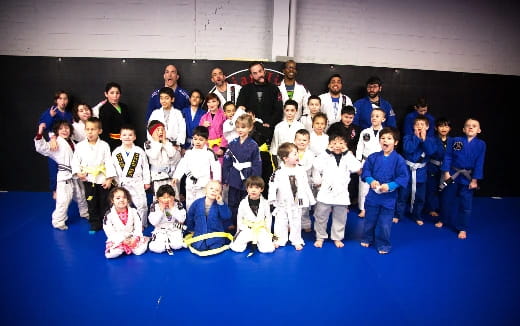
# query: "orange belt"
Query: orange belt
114,136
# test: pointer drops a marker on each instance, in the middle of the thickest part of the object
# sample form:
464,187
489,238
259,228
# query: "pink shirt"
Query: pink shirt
216,127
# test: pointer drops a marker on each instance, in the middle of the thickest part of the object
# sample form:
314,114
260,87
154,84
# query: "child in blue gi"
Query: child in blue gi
432,204
462,167
384,171
417,149
206,218
192,115
241,160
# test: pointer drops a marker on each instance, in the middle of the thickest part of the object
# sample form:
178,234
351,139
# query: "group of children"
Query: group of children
236,176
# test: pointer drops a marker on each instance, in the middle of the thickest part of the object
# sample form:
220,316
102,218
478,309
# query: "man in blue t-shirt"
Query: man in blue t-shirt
373,99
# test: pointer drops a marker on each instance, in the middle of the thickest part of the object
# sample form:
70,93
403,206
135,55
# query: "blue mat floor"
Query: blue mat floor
52,277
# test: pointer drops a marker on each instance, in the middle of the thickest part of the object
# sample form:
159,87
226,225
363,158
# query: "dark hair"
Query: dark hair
255,180
442,122
217,67
303,132
390,130
212,96
96,121
196,90
75,111
336,135
291,102
422,118
165,189
168,91
313,97
254,63
128,126
123,189
201,131
285,149
57,124
374,80
109,85
421,103
320,115
348,109
228,103
57,95
333,76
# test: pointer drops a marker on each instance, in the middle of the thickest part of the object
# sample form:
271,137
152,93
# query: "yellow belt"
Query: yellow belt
255,227
94,171
265,148
189,239
214,142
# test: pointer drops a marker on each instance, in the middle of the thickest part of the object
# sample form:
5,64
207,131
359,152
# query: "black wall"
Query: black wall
28,85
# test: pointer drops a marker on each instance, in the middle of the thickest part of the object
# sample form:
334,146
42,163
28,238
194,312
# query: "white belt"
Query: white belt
414,167
240,166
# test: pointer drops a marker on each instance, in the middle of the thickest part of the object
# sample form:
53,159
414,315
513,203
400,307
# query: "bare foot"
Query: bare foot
298,247
318,243
438,224
382,252
364,244
462,235
434,213
361,214
395,220
419,222
339,244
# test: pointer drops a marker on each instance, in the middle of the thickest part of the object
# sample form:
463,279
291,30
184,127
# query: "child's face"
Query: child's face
243,130
254,192
113,95
347,119
199,142
158,133
127,137
62,101
230,110
213,105
419,126
290,112
195,99
120,201
377,118
471,128
387,142
338,145
292,159
167,200
314,106
84,112
213,190
443,130
319,125
422,110
64,131
92,131
301,141
166,101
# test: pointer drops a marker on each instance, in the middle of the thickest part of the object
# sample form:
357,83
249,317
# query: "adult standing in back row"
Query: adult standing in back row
334,100
182,98
373,99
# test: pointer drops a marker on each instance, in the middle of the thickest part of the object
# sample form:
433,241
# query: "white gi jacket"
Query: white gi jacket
283,132
280,192
368,143
116,231
300,95
163,159
128,172
175,125
327,107
92,159
232,91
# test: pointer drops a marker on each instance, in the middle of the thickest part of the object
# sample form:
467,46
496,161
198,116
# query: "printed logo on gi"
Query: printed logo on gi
366,137
457,146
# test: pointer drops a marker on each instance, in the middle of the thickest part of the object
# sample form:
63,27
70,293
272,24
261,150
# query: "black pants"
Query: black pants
97,201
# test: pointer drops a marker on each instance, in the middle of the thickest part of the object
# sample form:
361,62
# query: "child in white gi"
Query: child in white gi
319,140
289,192
80,113
254,220
167,215
67,187
285,130
331,173
172,119
133,171
232,114
200,165
93,165
162,155
123,226
368,143
314,106
306,159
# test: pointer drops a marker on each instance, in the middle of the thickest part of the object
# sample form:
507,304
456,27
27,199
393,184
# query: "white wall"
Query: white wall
459,35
